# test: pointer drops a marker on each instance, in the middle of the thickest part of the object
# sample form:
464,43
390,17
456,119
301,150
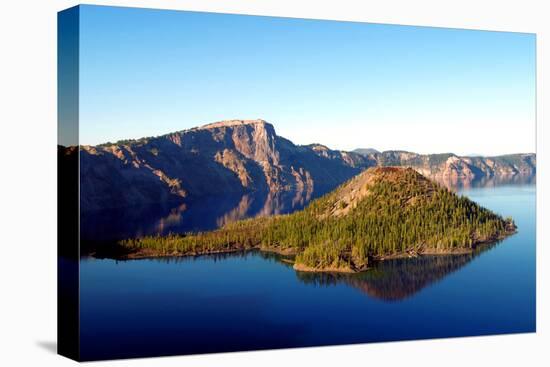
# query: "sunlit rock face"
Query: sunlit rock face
235,156
450,168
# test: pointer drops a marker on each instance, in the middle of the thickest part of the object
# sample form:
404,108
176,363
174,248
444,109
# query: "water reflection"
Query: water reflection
201,214
396,279
286,260
270,203
390,280
460,183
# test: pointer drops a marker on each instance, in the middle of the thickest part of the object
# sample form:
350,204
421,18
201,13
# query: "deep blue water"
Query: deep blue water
253,301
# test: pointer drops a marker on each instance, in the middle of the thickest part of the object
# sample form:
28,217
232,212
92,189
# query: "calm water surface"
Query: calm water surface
254,301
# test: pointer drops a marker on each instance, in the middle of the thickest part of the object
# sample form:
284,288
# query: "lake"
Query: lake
249,301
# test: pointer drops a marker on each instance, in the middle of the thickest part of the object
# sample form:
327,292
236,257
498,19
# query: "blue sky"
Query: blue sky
148,72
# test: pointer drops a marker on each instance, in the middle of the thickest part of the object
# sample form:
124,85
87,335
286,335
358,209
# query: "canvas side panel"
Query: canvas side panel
68,184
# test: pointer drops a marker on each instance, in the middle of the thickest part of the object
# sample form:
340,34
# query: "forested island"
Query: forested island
383,212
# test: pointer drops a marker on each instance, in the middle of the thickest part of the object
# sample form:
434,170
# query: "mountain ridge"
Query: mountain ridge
234,156
453,166
240,156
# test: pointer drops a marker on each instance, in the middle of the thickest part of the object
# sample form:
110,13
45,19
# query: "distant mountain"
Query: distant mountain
365,151
240,156
448,166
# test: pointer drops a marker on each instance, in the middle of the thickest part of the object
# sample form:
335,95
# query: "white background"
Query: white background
28,183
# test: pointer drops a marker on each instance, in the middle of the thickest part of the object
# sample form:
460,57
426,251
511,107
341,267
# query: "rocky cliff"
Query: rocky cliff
233,156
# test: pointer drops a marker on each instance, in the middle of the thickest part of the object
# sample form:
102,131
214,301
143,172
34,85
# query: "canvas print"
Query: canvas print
235,182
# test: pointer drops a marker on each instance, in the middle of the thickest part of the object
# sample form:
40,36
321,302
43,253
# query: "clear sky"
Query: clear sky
346,85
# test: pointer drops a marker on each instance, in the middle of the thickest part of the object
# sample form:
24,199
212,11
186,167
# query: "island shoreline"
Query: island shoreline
146,253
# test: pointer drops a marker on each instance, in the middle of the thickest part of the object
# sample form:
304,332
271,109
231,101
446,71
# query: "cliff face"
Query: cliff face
451,167
224,157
